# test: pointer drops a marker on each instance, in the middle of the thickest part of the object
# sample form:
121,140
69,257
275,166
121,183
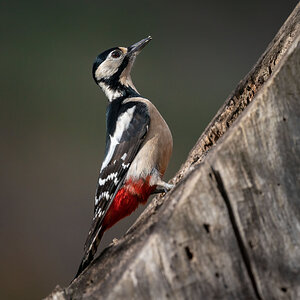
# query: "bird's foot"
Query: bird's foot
163,187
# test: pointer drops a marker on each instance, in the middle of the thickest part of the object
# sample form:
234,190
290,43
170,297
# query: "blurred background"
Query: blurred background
53,114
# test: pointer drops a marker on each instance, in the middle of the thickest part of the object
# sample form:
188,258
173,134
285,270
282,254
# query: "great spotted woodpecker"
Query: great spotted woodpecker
138,146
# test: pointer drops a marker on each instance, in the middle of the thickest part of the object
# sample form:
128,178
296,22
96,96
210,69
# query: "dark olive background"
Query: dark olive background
53,114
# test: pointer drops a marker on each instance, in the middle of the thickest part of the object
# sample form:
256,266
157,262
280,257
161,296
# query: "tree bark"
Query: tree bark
230,229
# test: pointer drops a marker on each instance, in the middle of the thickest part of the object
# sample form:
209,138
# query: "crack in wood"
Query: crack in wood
241,245
189,253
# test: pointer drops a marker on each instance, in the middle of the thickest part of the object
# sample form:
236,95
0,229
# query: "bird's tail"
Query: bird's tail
89,251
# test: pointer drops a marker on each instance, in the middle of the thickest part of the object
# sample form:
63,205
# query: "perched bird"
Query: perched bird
138,146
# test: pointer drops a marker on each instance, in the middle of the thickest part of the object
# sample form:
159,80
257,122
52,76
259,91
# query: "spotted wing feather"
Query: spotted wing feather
113,173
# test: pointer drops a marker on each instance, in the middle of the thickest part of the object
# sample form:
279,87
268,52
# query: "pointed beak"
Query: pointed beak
137,47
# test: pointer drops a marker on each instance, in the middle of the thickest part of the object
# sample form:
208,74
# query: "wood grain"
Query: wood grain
259,163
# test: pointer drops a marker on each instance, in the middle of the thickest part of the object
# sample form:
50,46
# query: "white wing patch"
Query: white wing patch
121,126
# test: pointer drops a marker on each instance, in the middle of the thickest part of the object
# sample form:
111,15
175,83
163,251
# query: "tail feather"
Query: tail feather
89,253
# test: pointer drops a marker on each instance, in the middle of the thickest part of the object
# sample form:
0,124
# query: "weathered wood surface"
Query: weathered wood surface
259,169
230,229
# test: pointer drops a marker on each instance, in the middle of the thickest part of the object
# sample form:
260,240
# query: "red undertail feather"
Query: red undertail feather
127,200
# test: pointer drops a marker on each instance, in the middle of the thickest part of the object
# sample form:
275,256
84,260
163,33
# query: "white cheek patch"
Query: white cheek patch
107,69
122,125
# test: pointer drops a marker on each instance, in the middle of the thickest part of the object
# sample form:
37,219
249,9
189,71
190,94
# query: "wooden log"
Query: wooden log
230,228
259,169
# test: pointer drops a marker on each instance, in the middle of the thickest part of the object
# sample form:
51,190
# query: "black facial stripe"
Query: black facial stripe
121,68
113,81
100,59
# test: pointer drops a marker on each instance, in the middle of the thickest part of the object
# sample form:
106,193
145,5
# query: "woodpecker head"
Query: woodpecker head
111,69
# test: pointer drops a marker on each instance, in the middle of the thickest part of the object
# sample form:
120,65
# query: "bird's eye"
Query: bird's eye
116,54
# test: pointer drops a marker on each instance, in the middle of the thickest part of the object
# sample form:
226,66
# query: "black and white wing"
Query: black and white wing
127,126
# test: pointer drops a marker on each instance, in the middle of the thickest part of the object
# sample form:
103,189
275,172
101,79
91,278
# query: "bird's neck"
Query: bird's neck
123,88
